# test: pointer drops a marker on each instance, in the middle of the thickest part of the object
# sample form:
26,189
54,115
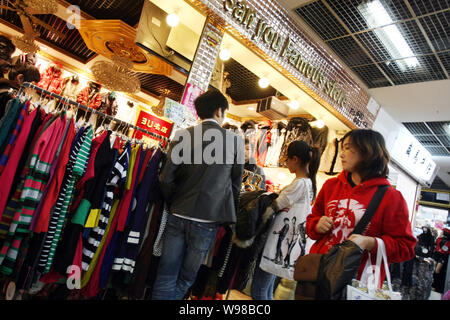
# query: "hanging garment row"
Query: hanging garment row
66,101
269,140
74,200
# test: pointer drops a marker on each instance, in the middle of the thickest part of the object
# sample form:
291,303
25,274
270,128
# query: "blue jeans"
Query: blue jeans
262,284
186,244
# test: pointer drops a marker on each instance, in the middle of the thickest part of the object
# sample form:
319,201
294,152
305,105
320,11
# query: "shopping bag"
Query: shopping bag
368,287
285,244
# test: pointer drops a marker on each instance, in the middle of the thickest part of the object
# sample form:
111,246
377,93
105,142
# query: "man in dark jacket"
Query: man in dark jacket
201,181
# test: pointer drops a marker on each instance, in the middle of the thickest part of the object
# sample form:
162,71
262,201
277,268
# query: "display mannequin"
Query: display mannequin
71,87
108,106
90,96
51,79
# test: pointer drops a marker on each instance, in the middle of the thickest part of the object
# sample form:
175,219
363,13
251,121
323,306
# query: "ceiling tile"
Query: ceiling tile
417,128
315,14
348,11
445,59
244,83
372,76
438,151
428,140
438,127
445,139
437,27
421,7
411,33
156,84
72,43
427,70
349,51
125,10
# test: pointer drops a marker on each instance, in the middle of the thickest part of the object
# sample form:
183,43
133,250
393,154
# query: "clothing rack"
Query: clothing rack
79,105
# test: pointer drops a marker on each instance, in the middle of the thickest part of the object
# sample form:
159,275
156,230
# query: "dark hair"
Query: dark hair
10,47
372,148
248,124
229,126
308,156
30,73
207,103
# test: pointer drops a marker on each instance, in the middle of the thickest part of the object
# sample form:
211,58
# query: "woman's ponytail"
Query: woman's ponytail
314,167
309,156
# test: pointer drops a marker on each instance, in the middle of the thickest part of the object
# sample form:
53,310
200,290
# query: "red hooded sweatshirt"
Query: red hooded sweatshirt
346,205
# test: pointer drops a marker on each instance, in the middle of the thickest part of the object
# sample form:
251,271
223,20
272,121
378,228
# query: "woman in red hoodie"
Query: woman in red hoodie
343,200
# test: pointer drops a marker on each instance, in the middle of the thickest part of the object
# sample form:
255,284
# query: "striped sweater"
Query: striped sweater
116,178
128,251
75,169
19,124
41,160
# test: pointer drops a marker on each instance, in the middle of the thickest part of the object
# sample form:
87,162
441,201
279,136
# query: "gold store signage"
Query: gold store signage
284,46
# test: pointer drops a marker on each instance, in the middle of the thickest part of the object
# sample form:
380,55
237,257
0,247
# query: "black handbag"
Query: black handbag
337,267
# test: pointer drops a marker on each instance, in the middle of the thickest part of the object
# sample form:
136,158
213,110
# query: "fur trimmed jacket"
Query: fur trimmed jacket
51,79
89,98
250,222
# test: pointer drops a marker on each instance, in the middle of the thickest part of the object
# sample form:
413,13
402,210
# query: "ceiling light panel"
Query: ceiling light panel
347,10
413,42
428,70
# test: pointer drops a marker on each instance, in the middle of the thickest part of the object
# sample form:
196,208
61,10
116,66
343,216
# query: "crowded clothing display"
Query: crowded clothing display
72,198
207,161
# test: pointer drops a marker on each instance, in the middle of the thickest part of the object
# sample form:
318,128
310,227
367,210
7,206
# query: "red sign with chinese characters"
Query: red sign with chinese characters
153,124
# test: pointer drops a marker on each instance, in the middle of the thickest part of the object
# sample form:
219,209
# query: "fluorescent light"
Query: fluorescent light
251,108
263,83
172,20
376,15
224,54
